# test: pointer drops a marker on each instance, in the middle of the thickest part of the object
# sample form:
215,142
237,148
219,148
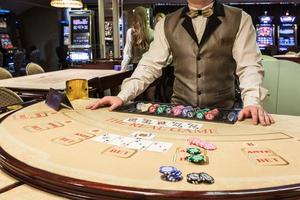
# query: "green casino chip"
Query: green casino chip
161,109
200,115
193,151
198,159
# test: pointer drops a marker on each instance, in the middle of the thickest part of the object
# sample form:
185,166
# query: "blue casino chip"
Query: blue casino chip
170,173
232,116
167,170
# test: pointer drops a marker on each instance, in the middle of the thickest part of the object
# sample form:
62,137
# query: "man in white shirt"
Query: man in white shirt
210,43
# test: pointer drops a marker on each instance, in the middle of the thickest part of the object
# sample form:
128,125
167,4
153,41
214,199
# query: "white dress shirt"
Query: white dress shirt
245,52
127,53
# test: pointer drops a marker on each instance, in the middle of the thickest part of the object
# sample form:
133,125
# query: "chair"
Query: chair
268,58
109,82
1,59
295,49
33,68
4,74
18,59
270,50
8,97
62,54
35,56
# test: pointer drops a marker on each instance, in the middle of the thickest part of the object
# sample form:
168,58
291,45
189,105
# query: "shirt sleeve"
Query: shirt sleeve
127,55
249,67
149,67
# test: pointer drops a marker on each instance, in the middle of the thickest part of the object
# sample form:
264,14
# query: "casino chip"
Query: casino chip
186,110
145,107
197,178
200,115
170,173
161,109
232,117
194,178
193,151
207,178
209,116
177,110
168,110
139,106
152,108
167,169
215,112
197,159
201,143
190,114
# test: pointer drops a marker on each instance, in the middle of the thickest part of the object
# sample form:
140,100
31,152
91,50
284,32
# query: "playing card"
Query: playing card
121,141
106,138
160,146
143,135
139,144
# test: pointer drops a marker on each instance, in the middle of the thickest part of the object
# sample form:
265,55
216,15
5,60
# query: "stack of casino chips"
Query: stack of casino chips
143,107
200,113
168,109
177,110
210,115
170,173
188,112
139,106
201,143
197,178
207,114
161,109
195,156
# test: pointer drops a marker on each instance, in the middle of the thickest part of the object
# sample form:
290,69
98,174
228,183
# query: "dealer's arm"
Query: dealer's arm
250,73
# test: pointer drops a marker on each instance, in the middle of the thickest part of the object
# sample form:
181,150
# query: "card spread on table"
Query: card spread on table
133,142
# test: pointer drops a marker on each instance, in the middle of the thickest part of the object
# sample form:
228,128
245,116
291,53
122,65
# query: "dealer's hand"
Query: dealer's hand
258,114
112,101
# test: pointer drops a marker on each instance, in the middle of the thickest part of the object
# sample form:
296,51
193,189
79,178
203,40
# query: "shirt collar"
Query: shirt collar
217,7
208,6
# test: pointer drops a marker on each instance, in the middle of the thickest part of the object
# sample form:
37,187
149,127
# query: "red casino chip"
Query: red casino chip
215,112
152,109
209,116
177,110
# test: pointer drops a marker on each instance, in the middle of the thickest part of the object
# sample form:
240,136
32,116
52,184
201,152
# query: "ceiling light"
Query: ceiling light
66,3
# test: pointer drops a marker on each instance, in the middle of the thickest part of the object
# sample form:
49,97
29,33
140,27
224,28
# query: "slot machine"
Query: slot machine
81,36
265,31
6,45
287,32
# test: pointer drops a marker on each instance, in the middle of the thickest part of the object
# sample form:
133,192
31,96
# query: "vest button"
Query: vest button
199,75
198,57
199,92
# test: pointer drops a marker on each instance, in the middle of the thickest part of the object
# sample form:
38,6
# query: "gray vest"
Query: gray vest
204,72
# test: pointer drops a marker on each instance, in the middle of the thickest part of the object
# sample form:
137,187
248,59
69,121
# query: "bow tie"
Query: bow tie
195,13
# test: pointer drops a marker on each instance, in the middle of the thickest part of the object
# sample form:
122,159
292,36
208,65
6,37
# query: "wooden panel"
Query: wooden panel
7,182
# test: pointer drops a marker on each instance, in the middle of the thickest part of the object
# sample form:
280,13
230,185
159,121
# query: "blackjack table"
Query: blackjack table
39,84
55,79
97,154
